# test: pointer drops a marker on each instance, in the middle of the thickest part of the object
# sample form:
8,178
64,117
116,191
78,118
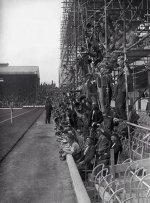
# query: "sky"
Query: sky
30,35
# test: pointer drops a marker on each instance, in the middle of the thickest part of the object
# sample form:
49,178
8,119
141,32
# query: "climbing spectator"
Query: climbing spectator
120,92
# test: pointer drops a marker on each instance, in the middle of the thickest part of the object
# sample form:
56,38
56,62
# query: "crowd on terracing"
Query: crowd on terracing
20,100
86,133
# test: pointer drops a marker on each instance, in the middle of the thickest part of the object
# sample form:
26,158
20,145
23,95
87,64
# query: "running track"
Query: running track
10,134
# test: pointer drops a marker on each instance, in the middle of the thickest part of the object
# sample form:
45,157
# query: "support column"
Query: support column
149,84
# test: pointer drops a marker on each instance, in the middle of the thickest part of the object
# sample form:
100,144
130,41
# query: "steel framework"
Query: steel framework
77,14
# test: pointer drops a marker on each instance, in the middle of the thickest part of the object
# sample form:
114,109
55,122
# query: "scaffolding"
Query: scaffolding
81,17
94,35
88,33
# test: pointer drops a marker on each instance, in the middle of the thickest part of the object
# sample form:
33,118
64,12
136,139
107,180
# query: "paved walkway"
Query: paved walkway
33,173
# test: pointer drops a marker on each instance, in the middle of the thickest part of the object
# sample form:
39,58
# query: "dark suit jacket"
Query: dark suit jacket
103,145
48,108
88,154
116,146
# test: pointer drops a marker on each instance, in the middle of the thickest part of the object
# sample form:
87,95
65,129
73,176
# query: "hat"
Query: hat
76,104
89,74
70,135
135,24
66,130
61,127
121,22
115,134
120,58
82,97
89,61
88,25
91,138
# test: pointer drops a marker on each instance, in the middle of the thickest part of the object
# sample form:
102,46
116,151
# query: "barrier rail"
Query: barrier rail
138,126
33,106
79,188
138,146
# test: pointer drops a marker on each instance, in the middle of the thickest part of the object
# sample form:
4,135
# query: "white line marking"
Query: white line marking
17,116
9,108
8,112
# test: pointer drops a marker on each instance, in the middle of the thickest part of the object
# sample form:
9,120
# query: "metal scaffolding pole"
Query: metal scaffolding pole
106,30
75,43
126,72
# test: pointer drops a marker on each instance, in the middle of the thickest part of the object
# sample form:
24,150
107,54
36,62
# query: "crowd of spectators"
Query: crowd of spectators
20,100
86,133
17,102
86,125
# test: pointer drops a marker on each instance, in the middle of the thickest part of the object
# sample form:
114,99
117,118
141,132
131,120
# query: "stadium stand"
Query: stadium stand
20,84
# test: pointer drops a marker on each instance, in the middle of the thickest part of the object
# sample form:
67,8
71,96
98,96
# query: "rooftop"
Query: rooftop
19,70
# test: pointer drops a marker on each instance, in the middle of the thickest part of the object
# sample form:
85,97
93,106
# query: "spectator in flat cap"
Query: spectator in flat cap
82,97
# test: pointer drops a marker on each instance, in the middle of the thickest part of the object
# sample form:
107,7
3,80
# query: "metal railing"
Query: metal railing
132,185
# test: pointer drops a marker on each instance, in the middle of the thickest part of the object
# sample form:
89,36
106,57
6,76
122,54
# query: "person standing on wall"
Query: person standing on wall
48,109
